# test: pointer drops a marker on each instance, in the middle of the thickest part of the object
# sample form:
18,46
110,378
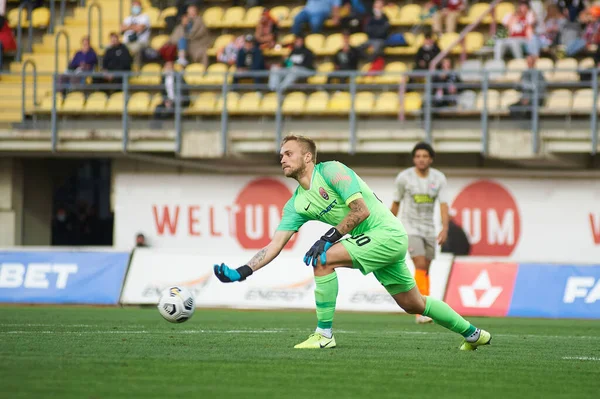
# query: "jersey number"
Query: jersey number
361,239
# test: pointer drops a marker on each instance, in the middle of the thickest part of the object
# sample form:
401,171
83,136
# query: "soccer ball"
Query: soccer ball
176,304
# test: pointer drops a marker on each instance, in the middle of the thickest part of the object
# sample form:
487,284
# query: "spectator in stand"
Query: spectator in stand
530,80
250,58
136,30
447,11
166,109
266,31
552,27
140,241
315,13
352,14
228,54
192,38
427,52
572,8
520,26
346,59
591,34
445,90
116,59
377,29
7,40
84,60
299,64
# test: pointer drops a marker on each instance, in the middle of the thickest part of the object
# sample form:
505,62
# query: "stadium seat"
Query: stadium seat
565,70
96,103
356,39
493,101
204,104
333,43
213,17
290,19
232,17
219,43
13,18
322,78
194,74
279,13
502,9
470,71
507,98
546,67
138,103
583,100
150,74
446,41
414,42
268,105
232,102
73,103
559,102
215,74
475,11
251,18
339,103
587,63
168,12
114,105
412,102
408,15
466,100
153,14
45,105
393,73
316,103
364,79
363,104
248,104
294,103
158,41
386,104
391,11
474,42
315,42
40,17
514,69
496,69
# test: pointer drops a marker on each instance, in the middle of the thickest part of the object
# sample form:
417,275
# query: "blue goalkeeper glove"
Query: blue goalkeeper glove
321,246
229,275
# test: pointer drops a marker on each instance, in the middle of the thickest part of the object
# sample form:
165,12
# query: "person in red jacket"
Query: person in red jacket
7,39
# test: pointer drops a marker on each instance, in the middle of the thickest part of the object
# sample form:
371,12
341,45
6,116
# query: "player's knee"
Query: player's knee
416,307
321,269
420,263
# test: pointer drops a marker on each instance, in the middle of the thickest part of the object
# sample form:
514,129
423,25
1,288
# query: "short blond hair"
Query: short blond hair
307,144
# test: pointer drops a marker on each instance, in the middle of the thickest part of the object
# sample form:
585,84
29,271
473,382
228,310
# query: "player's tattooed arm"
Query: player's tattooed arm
270,252
358,213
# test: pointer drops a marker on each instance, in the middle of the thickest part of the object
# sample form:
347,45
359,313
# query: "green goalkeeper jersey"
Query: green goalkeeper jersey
334,186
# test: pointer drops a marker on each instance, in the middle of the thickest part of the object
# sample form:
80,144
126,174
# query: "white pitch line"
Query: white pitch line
595,359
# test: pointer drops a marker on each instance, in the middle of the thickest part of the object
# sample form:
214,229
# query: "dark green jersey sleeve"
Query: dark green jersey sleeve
342,179
291,220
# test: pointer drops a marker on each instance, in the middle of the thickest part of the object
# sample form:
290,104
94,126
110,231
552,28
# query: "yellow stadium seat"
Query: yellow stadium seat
339,103
514,69
559,102
96,103
393,73
232,101
138,103
508,98
316,103
73,104
475,11
40,17
409,15
587,63
391,11
565,70
219,43
356,39
294,103
13,18
321,78
158,41
194,74
215,74
412,102
333,43
315,42
583,101
496,69
474,42
279,13
413,45
45,105
493,101
168,12
249,104
268,104
232,17
502,9
287,39
252,17
114,104
213,17
386,104
364,102
546,67
363,78
149,75
290,19
204,104
154,14
447,40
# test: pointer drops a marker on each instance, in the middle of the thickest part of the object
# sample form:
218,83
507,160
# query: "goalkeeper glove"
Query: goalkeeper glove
321,246
229,275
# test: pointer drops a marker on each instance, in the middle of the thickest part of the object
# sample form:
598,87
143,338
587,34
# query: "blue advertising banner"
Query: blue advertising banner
564,291
62,277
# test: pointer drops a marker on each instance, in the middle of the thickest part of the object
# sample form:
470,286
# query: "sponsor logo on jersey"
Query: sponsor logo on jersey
423,199
329,207
323,193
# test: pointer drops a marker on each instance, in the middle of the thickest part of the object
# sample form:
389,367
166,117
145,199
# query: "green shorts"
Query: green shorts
382,251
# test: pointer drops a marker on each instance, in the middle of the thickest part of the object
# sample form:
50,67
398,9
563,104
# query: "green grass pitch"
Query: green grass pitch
108,353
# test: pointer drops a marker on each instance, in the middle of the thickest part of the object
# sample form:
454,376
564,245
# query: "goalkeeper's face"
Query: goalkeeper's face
293,159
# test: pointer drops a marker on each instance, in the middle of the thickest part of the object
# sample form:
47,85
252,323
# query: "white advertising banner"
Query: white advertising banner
286,283
527,220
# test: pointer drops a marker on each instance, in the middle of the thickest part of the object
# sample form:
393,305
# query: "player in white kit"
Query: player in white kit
417,189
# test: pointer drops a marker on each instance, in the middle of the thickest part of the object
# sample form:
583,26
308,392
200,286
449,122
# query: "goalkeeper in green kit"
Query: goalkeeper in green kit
332,193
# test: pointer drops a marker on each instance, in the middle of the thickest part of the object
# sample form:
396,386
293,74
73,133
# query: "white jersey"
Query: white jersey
141,19
417,197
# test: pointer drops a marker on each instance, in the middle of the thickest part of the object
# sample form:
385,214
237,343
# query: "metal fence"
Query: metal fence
480,98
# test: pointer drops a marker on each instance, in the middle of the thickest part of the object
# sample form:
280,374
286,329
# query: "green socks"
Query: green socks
445,316
326,291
